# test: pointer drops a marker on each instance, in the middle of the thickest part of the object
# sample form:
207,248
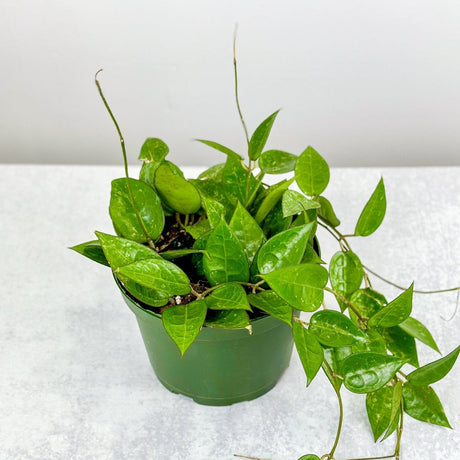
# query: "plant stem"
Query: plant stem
361,318
242,283
125,161
400,430
250,458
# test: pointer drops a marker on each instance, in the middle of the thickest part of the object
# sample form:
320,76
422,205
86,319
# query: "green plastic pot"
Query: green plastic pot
222,366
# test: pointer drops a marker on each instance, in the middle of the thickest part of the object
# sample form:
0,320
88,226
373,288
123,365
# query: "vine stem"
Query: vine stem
125,161
250,458
242,283
361,318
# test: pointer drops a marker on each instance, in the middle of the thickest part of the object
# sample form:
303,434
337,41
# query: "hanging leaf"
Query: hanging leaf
124,217
379,409
373,213
153,150
175,191
247,231
214,173
277,162
214,210
92,250
346,274
274,194
326,212
221,148
395,312
229,296
310,352
294,202
285,249
367,302
422,403
227,261
272,304
367,372
229,319
401,344
334,329
260,136
183,323
432,372
299,285
417,330
311,172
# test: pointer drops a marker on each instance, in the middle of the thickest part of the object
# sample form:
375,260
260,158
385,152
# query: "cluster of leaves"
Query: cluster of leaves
252,250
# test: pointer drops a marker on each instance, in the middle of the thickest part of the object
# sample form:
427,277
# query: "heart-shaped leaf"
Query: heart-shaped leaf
260,136
273,304
334,358
311,172
277,162
373,213
229,296
237,181
395,312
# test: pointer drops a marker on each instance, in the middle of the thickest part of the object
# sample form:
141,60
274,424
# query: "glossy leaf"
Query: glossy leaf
175,191
221,148
373,213
153,150
334,329
310,351
334,358
299,285
123,215
310,256
230,296
146,295
214,173
379,409
274,194
235,181
260,136
92,250
200,244
215,191
346,273
367,372
309,457
227,261
392,428
199,229
271,303
417,330
176,253
311,172
274,222
229,319
401,344
158,274
183,323
294,202
367,302
422,403
284,249
214,210
277,162
326,212
432,372
247,231
373,342
395,312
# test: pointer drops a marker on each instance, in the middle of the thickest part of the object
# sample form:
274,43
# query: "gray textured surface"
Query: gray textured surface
75,382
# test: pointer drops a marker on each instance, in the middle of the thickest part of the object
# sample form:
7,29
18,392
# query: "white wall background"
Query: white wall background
365,82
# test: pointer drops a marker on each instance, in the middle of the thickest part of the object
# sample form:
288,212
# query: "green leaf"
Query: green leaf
227,261
274,194
311,172
215,191
346,273
422,403
123,215
272,304
395,312
183,323
229,319
153,150
379,406
309,457
310,352
228,297
277,162
200,244
214,210
367,302
417,330
198,229
373,342
158,274
221,148
235,181
260,136
176,253
334,329
175,191
214,173
294,202
326,212
285,249
274,222
248,232
373,213
299,285
334,358
432,372
367,372
401,344
310,256
92,250
146,295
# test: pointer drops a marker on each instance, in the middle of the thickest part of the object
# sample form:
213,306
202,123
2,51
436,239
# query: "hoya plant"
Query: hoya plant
225,248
